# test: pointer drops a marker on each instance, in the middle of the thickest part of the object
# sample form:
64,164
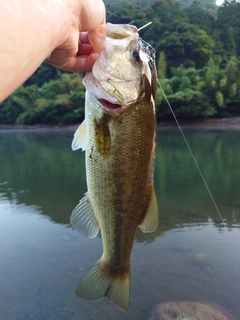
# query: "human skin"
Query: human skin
45,30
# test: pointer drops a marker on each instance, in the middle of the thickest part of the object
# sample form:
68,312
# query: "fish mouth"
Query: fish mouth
109,105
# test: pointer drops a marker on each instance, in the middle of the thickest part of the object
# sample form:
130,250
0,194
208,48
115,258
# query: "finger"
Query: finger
93,14
81,63
84,49
83,37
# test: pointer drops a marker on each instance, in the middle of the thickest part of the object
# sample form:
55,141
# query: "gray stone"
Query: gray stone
190,310
202,259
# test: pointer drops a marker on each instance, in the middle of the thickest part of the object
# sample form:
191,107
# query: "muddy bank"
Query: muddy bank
224,123
221,124
38,127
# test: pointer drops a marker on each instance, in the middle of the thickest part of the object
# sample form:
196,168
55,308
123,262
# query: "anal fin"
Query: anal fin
150,222
83,218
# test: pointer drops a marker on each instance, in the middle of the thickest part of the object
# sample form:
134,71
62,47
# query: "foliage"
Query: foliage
58,101
43,74
206,92
197,48
228,24
12,107
200,17
162,66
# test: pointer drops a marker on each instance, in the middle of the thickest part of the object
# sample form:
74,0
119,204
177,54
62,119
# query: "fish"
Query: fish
119,138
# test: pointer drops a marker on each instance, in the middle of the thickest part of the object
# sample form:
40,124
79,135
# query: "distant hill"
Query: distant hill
209,5
143,3
184,3
203,3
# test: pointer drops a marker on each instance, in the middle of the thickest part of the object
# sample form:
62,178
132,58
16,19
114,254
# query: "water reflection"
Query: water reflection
42,260
178,180
39,168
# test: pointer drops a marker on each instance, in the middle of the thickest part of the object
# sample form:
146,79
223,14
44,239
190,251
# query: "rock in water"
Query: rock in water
186,310
202,259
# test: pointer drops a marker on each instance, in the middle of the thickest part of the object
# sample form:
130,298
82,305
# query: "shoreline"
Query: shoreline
220,123
223,123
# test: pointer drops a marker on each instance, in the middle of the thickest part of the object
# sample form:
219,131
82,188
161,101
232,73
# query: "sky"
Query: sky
219,2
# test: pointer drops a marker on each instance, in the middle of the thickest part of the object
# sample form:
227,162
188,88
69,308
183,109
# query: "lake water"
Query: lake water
191,256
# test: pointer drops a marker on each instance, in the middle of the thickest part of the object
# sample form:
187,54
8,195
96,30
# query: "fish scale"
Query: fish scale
120,154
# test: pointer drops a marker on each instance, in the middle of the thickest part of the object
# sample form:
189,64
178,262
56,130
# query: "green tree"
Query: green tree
61,101
43,74
189,45
162,66
200,17
228,24
17,103
125,12
230,43
58,101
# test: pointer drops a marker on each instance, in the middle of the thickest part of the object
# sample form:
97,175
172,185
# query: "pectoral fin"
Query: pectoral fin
83,218
79,140
150,222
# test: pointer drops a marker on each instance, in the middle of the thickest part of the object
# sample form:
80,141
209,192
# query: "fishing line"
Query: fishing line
198,168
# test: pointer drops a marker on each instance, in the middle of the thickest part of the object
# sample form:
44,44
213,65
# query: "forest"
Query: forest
197,48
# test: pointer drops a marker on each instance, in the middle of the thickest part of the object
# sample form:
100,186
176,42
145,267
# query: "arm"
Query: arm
34,31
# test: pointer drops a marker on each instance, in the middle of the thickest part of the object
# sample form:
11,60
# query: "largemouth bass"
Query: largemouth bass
118,134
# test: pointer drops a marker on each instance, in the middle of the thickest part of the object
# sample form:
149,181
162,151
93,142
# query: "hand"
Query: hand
45,30
76,53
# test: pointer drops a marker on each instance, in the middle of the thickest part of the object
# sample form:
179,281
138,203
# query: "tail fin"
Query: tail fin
99,282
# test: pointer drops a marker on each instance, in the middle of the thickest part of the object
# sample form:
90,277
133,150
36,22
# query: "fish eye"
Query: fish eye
136,55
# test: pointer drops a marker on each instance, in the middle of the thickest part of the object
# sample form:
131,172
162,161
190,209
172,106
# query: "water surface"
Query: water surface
192,255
